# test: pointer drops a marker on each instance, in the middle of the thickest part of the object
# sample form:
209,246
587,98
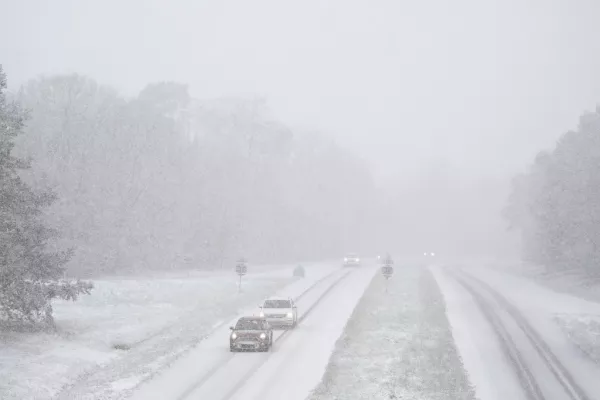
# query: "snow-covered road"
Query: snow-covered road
510,346
186,309
293,367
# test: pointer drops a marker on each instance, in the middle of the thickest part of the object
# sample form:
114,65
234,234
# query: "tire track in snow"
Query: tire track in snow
509,347
552,363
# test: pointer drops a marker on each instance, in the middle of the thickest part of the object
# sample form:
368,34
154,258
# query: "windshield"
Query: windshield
277,304
250,325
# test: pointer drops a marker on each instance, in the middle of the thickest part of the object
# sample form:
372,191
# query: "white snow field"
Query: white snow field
150,321
397,345
506,332
289,371
574,282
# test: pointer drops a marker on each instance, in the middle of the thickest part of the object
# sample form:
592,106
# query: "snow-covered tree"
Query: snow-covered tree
30,273
556,204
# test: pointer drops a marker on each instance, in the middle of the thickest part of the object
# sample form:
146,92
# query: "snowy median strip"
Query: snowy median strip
397,345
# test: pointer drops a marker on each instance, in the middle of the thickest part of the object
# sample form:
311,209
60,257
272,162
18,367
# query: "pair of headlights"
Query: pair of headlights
262,336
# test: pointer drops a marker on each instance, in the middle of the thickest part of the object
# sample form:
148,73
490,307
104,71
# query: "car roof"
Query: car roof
252,318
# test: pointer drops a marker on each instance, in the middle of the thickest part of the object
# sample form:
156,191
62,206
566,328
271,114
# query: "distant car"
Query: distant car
351,260
251,334
280,312
299,271
428,254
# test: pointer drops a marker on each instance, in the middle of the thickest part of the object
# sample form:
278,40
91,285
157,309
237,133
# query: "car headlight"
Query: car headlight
263,336
432,254
290,315
345,260
261,314
234,336
358,260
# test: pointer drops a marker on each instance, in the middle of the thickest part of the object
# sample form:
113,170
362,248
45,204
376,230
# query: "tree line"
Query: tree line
164,180
94,183
555,204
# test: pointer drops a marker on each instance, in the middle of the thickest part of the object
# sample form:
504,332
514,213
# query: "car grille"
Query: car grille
247,336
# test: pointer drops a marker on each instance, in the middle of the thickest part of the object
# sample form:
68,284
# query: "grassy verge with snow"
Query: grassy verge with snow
583,331
574,282
397,345
123,333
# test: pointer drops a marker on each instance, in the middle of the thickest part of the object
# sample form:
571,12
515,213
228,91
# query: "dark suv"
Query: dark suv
251,334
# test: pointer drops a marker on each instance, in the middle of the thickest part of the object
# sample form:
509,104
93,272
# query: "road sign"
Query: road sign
387,271
241,269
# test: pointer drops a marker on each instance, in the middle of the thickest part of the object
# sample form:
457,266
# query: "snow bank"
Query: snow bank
574,282
124,332
583,330
397,345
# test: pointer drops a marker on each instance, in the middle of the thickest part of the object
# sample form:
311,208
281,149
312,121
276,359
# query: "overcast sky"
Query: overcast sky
482,84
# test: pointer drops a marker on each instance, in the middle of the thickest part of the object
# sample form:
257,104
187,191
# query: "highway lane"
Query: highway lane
211,371
298,366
